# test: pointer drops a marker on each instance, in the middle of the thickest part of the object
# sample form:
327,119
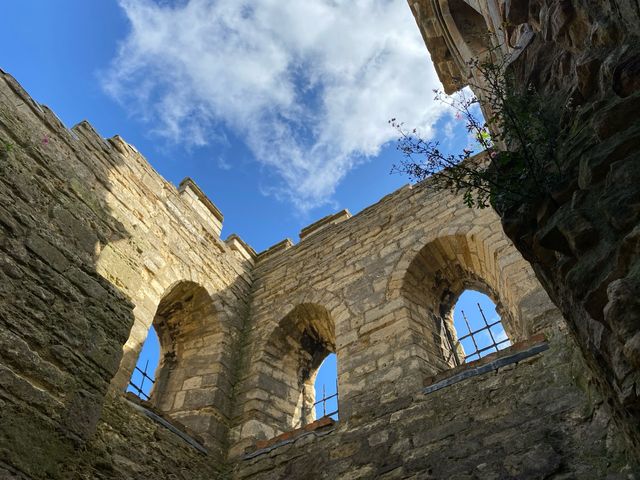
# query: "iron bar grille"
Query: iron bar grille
481,348
139,390
334,413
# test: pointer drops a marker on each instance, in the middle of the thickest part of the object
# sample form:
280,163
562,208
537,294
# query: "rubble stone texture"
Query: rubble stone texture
96,247
583,239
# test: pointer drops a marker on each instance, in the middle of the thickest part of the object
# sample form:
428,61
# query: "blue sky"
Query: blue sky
278,110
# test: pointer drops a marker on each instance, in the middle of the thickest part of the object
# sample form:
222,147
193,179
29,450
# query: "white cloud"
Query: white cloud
223,164
309,85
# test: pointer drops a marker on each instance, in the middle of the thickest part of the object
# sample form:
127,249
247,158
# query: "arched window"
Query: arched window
192,382
326,388
436,281
478,329
191,343
296,349
143,376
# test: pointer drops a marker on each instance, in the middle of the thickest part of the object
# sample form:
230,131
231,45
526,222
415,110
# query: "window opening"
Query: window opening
143,377
326,388
481,332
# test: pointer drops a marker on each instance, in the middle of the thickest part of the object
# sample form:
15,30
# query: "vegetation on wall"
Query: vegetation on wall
519,133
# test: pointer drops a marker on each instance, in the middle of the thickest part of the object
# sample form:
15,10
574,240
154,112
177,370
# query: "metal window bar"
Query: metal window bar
473,338
325,399
139,388
487,327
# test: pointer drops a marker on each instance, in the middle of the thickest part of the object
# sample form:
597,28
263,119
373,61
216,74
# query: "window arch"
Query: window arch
185,320
478,328
192,381
295,351
472,28
436,278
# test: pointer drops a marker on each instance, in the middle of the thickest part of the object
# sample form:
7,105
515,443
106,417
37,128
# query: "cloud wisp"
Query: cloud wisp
308,85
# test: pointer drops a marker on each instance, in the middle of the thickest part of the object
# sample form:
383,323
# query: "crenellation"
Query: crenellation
324,222
201,204
238,245
277,248
85,131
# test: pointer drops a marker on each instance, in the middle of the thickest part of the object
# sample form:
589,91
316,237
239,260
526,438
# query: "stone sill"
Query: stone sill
321,426
143,407
510,355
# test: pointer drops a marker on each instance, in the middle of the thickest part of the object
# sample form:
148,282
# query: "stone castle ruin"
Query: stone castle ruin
96,248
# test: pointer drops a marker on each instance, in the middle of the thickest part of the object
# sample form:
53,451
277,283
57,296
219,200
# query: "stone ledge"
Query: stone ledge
278,247
265,446
513,354
175,427
324,222
236,243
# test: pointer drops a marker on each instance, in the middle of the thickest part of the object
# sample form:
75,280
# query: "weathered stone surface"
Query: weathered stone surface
527,421
376,289
128,445
586,52
96,247
92,239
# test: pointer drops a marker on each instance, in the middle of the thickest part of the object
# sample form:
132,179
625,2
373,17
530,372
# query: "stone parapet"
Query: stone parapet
324,222
527,420
275,249
201,204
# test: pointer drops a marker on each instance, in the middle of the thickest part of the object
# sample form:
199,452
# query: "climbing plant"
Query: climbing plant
518,134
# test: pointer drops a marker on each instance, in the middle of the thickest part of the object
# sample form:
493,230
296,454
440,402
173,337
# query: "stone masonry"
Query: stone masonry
583,239
96,247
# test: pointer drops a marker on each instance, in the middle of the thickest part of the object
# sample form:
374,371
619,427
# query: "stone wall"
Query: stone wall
583,238
376,289
524,421
127,445
92,240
